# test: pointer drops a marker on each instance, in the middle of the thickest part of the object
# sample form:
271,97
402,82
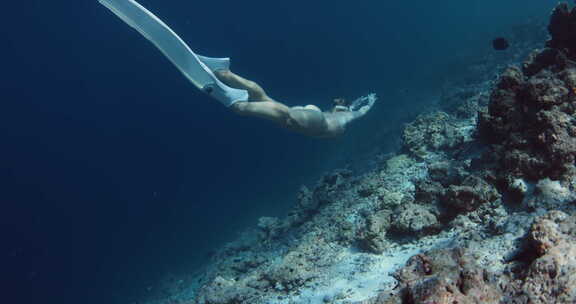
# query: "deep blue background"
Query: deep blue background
115,171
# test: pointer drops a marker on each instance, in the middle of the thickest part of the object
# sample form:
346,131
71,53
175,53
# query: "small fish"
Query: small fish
500,44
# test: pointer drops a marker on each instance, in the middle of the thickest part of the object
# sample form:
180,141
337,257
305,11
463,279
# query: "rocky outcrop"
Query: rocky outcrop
551,277
562,29
446,276
434,132
543,272
530,121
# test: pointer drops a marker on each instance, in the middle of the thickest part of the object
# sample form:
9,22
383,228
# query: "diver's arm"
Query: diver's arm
339,119
345,117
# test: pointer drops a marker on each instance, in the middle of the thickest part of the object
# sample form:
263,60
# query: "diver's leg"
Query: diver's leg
255,91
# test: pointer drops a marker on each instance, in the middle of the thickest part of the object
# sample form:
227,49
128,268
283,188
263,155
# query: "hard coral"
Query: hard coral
530,120
545,274
562,28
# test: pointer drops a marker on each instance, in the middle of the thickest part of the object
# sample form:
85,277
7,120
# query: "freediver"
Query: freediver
243,96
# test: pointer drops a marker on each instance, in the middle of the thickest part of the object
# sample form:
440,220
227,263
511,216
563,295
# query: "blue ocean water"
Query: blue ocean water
116,170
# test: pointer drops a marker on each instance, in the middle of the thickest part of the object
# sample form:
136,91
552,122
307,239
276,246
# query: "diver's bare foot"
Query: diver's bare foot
223,74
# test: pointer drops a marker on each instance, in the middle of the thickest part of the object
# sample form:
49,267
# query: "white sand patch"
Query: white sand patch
359,276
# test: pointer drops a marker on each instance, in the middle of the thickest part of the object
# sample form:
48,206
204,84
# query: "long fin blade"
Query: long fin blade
164,38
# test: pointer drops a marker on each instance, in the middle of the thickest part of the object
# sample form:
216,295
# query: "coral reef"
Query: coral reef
544,271
530,121
561,29
478,206
434,132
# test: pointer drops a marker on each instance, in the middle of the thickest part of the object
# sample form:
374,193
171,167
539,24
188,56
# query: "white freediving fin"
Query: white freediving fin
198,69
215,64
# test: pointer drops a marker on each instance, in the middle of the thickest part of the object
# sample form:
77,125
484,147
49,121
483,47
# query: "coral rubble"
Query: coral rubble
543,272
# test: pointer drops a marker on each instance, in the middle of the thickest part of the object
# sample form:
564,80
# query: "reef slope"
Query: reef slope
478,206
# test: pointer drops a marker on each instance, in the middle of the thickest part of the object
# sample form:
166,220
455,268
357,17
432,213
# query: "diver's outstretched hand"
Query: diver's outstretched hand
363,104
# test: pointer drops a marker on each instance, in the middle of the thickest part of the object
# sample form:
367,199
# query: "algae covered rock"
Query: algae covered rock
297,267
530,121
472,193
374,238
225,291
435,132
551,278
446,276
414,219
429,132
562,29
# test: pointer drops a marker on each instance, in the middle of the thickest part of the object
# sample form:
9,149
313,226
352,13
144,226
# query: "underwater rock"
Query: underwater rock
374,239
225,291
447,172
469,195
539,60
399,162
331,184
463,100
551,277
430,133
271,227
446,276
306,207
562,29
517,188
429,192
549,194
544,271
297,267
415,220
551,230
310,202
530,120
465,194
